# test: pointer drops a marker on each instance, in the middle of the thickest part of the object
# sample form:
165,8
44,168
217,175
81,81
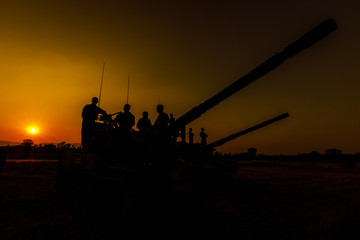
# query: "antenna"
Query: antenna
102,77
128,89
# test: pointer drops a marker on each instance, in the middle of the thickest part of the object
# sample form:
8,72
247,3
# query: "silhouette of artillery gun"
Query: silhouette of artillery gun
142,163
248,130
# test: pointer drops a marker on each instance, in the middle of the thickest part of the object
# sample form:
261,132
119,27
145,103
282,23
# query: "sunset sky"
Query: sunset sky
181,53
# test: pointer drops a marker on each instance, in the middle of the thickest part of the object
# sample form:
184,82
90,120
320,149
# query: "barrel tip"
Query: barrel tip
331,23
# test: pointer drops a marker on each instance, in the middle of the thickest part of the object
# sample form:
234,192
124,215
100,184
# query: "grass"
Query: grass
264,199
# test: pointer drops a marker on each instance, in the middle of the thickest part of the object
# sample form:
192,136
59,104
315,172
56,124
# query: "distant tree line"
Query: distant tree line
331,154
28,149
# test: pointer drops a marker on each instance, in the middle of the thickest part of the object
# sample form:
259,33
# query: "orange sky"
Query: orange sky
52,54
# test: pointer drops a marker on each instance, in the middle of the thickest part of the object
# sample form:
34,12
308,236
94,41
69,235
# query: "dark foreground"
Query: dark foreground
286,200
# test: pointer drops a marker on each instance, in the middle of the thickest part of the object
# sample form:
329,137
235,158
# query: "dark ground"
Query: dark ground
286,200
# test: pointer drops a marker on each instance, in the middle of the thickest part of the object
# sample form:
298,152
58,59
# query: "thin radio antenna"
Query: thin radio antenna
128,89
102,78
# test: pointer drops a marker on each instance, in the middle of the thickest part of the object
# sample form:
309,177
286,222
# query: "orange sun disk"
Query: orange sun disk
33,130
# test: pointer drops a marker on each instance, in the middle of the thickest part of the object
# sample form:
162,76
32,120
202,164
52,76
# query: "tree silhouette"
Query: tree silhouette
27,145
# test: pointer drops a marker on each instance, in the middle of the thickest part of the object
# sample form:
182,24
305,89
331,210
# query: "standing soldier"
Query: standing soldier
162,121
144,123
191,136
203,136
89,114
161,124
125,120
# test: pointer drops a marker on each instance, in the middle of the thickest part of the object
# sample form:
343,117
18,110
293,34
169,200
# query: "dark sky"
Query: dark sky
182,53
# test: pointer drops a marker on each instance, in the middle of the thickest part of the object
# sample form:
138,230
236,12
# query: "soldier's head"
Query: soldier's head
190,129
145,114
202,129
94,100
127,107
160,108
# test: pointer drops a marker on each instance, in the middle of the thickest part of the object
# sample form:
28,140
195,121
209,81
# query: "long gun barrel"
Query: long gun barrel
233,136
307,40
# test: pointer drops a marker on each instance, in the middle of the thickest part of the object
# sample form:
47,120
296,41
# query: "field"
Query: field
282,199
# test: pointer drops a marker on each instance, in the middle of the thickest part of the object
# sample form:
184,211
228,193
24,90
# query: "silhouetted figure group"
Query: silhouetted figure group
164,127
203,136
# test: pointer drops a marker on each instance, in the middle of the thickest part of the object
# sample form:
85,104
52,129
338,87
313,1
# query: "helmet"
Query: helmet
160,108
126,107
95,100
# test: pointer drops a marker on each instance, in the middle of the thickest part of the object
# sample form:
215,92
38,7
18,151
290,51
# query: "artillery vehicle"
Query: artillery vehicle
133,163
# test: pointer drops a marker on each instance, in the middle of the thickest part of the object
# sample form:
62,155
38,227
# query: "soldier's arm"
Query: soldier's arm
102,112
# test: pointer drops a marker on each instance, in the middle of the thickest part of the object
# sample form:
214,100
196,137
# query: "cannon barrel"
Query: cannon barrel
308,39
233,136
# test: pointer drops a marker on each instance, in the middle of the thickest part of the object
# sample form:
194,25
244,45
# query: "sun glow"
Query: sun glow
33,130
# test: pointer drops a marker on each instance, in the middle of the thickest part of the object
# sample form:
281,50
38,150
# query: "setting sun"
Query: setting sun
33,130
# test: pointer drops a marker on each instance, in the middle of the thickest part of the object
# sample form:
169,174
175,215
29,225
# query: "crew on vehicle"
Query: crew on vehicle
191,136
125,120
161,123
90,114
144,123
203,136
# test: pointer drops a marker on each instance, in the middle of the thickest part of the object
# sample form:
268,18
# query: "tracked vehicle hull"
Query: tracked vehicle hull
92,176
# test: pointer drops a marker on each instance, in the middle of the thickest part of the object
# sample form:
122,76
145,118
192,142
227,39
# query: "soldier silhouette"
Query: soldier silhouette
161,124
89,114
162,121
125,120
144,123
203,136
191,136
